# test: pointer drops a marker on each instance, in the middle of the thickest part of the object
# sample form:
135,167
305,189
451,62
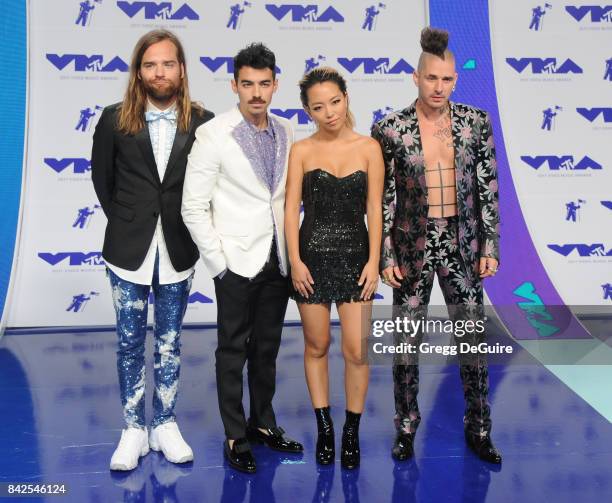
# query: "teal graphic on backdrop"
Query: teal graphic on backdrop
535,310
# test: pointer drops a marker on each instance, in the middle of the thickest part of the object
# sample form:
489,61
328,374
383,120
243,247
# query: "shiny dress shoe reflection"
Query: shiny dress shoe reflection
476,479
405,481
235,484
268,462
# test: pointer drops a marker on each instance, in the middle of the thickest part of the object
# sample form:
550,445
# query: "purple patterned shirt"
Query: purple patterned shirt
265,139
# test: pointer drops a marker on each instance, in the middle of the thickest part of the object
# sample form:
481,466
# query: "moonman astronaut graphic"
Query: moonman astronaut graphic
371,13
79,301
235,12
572,211
547,122
86,115
313,62
536,18
83,216
378,115
85,10
608,74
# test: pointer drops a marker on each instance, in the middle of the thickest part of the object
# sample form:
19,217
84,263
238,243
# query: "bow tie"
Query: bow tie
169,115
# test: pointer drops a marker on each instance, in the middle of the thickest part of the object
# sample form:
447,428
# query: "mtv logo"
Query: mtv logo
560,162
161,10
598,13
591,114
543,65
290,113
74,258
215,64
84,63
308,13
376,65
583,250
79,165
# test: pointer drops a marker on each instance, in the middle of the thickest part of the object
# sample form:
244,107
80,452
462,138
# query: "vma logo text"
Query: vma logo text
591,114
291,113
592,13
76,165
223,63
72,258
582,250
543,65
159,10
83,63
298,13
371,66
563,162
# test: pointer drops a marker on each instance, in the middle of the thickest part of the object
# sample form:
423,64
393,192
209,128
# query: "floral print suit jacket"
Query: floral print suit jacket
405,205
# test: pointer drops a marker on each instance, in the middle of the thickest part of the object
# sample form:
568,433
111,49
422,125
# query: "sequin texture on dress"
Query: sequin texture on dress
333,236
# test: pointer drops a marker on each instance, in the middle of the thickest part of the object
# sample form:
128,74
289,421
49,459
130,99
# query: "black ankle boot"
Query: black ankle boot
325,440
349,457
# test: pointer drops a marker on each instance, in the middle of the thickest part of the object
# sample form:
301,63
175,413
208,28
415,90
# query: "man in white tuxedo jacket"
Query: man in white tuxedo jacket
233,207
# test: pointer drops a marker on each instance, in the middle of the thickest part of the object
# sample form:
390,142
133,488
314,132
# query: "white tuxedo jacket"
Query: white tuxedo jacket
227,206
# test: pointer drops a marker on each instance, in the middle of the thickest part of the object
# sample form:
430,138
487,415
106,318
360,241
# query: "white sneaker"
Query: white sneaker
132,445
167,438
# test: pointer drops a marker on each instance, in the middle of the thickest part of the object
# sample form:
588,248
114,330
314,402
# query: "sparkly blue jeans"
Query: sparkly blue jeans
131,306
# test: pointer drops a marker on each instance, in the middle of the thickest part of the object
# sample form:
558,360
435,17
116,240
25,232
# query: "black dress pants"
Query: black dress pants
250,315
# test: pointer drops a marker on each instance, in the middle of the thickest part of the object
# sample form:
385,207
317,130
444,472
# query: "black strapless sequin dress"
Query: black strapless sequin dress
333,236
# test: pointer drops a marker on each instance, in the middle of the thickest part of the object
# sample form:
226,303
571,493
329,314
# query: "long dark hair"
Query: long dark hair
131,113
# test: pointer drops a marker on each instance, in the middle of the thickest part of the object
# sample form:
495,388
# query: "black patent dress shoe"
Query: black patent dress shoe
240,456
403,447
483,447
275,439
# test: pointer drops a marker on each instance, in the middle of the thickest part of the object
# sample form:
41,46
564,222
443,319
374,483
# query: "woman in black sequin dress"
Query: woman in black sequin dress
338,175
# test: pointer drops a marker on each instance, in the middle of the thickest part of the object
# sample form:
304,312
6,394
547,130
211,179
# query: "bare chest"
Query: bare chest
437,143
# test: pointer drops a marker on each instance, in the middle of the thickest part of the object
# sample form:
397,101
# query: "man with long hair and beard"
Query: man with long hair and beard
138,162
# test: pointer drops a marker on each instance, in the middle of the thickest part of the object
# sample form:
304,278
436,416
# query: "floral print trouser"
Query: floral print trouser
464,300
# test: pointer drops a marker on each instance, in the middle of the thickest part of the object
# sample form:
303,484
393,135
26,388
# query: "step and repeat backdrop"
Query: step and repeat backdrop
547,66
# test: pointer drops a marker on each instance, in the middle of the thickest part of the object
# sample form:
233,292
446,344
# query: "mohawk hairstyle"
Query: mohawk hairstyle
434,41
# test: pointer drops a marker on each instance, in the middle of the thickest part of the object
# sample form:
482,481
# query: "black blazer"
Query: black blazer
127,184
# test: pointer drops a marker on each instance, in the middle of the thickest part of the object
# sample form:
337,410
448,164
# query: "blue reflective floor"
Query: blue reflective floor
61,418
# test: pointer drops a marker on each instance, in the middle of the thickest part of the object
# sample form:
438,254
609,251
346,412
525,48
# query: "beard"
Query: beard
161,92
